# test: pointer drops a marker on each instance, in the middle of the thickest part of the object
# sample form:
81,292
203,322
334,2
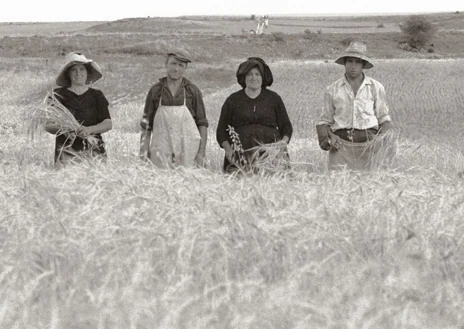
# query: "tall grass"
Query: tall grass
132,246
123,245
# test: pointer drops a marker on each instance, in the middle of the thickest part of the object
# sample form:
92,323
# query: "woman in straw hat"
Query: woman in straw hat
355,113
88,106
257,114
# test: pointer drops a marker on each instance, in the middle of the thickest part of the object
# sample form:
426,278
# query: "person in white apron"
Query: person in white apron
174,124
175,140
354,115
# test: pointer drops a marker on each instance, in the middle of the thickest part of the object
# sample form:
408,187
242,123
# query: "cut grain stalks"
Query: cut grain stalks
238,157
269,158
383,150
53,112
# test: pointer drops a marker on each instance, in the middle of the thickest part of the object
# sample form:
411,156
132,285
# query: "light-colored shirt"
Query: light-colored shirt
343,110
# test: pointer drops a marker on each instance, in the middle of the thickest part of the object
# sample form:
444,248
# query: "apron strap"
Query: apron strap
185,98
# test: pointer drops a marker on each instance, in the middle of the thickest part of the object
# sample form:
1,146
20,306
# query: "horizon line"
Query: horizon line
244,15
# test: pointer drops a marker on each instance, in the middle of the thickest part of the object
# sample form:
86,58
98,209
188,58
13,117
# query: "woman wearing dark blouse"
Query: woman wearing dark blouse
257,114
89,106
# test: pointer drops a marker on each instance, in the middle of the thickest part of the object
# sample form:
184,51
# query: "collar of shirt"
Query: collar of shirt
366,81
164,82
180,91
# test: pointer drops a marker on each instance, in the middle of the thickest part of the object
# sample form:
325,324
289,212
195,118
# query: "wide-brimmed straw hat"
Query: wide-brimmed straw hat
181,55
93,70
356,49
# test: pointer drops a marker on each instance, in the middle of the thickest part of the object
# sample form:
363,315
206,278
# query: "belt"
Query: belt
356,135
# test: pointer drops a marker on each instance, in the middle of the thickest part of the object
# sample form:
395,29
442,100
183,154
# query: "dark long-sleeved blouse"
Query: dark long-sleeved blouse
259,120
89,109
193,100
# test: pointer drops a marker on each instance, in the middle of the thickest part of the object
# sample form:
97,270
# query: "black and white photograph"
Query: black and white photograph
244,165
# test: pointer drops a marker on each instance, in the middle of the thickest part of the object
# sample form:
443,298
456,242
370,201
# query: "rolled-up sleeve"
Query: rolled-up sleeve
149,110
199,107
328,110
380,106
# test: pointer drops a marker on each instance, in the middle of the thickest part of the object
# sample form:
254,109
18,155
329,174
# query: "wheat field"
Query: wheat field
123,245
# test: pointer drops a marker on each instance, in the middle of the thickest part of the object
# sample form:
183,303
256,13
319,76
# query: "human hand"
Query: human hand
200,160
144,151
71,134
323,132
229,154
335,142
325,144
52,127
384,127
283,143
84,131
144,124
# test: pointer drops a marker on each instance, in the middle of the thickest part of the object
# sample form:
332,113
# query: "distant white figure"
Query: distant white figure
263,22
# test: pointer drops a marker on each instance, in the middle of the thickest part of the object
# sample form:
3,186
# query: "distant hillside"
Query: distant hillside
162,25
215,39
284,24
42,29
218,25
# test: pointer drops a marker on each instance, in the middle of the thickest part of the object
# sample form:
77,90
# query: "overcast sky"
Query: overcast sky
104,10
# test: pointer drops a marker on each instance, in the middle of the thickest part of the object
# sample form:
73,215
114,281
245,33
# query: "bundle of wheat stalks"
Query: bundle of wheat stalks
383,150
53,112
238,157
268,158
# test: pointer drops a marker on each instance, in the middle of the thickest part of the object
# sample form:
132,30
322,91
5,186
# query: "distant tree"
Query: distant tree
252,17
307,34
346,41
418,30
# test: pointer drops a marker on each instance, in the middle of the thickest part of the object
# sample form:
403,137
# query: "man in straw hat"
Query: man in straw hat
174,120
355,113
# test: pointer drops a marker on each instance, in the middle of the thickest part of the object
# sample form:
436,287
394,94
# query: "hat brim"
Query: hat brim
341,60
180,57
95,74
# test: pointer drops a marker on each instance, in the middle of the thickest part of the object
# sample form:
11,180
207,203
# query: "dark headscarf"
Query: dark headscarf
263,68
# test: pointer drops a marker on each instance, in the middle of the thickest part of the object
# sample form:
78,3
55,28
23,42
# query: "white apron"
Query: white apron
175,139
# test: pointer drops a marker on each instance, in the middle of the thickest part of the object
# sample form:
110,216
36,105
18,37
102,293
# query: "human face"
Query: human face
253,79
175,68
78,75
353,67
